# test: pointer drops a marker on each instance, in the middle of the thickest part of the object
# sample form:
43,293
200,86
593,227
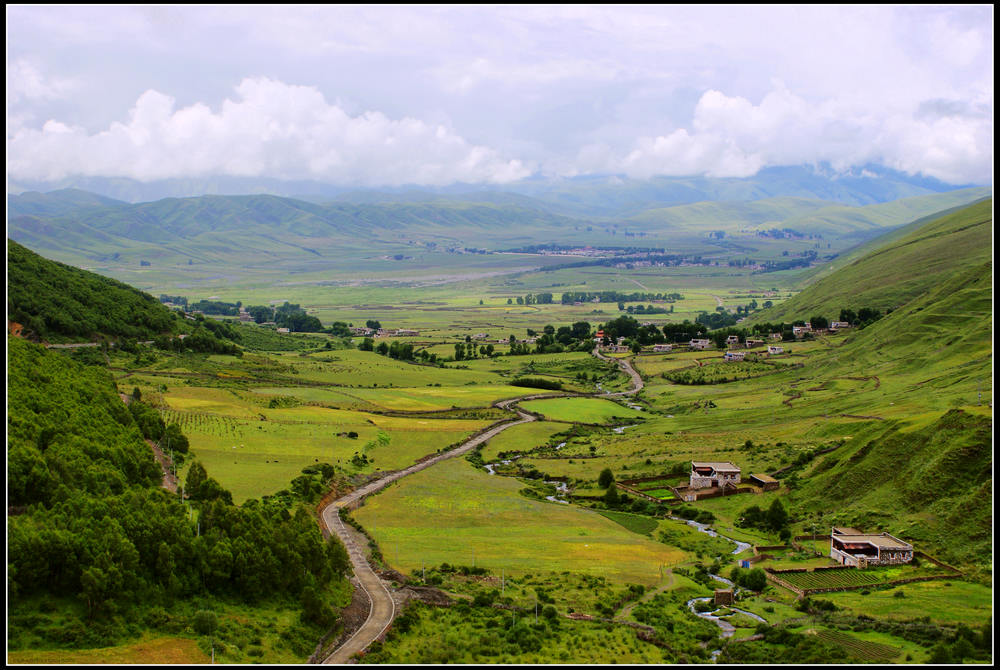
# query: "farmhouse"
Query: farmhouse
837,325
662,347
799,331
708,474
735,355
775,349
361,330
775,336
754,342
850,546
283,330
700,344
733,340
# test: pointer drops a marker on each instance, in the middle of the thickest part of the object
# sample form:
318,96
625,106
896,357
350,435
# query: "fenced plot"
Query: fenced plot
862,649
831,579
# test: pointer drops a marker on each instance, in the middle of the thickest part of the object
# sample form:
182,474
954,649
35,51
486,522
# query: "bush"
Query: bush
205,622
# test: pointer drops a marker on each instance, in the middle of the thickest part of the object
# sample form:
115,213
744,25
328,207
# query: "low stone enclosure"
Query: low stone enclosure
781,577
682,492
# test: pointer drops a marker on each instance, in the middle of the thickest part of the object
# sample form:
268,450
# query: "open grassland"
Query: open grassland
582,410
148,651
453,513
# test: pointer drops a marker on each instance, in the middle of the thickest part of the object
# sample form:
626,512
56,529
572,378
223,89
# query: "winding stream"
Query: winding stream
727,629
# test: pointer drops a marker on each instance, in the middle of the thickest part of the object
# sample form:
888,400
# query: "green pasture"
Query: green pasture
523,437
582,410
453,513
945,601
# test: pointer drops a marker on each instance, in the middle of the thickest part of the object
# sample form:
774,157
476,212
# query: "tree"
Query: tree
611,497
755,580
777,517
606,478
196,476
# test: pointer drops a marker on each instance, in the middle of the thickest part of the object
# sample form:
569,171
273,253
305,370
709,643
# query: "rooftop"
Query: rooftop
720,467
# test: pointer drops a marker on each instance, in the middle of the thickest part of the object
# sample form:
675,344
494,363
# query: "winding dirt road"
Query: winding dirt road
383,608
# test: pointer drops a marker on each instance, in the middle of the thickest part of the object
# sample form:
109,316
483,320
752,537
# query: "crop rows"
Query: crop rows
869,651
830,579
209,424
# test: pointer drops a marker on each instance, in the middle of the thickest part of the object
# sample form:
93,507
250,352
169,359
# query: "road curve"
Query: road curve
383,608
626,367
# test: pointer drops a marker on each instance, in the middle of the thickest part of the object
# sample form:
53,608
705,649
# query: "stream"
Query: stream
727,629
705,528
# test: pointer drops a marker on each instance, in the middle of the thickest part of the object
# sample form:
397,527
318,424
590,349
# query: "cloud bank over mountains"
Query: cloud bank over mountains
433,96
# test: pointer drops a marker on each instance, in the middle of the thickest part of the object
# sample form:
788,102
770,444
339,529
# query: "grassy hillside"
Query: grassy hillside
57,302
904,265
804,215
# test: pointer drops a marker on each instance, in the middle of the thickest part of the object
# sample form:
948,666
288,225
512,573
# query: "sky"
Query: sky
433,95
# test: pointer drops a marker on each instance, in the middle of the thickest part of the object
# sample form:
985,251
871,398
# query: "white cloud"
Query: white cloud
25,82
270,129
732,137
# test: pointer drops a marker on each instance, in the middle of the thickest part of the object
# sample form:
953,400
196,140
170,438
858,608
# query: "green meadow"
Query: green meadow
453,513
582,410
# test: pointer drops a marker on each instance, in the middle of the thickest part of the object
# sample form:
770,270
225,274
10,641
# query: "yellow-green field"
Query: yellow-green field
149,651
453,513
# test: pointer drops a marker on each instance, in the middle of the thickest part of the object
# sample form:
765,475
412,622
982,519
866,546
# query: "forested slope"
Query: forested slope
99,553
57,302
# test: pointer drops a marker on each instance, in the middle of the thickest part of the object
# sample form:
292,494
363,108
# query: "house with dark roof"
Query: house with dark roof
852,547
712,474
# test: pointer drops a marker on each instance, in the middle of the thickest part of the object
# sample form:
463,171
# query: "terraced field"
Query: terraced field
831,579
860,649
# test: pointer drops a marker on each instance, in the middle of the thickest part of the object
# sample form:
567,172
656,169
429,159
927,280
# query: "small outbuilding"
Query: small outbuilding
766,482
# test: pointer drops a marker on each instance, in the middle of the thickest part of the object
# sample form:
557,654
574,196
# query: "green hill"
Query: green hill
921,468
899,267
58,303
803,215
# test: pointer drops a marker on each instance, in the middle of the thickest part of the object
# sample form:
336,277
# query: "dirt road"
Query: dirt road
627,368
383,609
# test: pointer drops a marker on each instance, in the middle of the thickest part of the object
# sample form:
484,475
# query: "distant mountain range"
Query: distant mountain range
588,196
80,227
